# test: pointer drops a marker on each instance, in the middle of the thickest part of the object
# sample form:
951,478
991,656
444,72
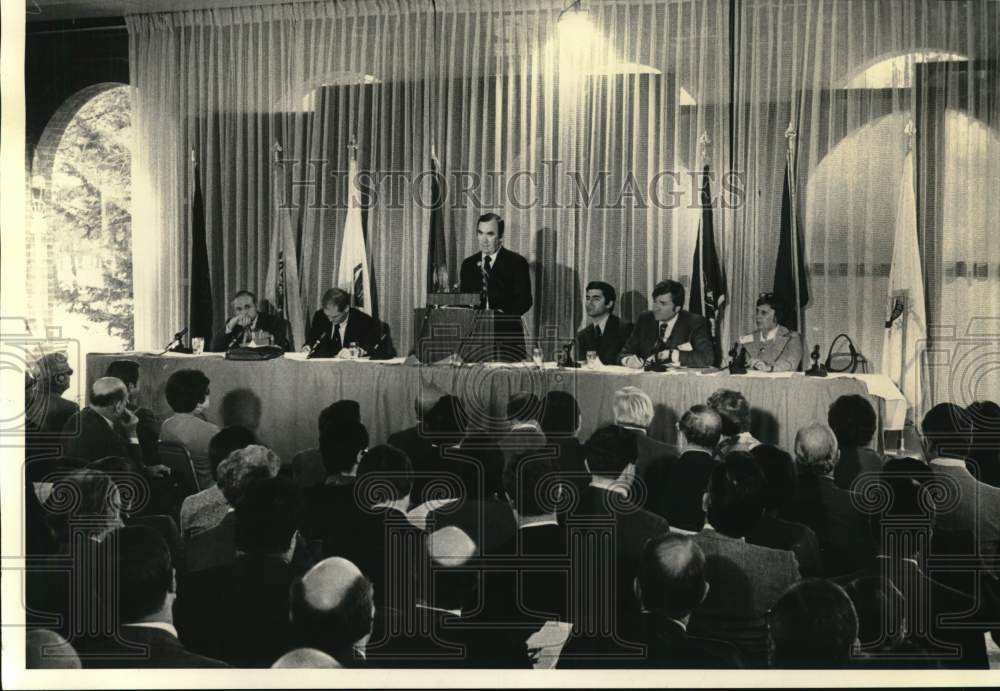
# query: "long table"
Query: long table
293,390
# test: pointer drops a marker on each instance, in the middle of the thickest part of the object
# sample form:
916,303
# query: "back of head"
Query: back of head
735,495
126,475
44,649
528,468
813,625
227,440
243,466
306,658
633,407
984,452
339,413
733,408
880,607
560,415
948,428
816,451
701,426
144,572
909,509
126,370
340,445
852,420
672,575
426,397
86,501
331,606
444,422
267,515
185,389
779,475
107,391
523,406
241,407
452,583
389,470
610,450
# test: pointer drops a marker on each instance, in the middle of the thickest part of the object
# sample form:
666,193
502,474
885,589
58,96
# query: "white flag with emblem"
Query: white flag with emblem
353,275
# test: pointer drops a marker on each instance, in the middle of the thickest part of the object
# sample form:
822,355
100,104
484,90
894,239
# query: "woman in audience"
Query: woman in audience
187,393
853,422
772,347
207,508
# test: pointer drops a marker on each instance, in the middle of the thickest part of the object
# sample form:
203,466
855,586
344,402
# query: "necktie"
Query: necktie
335,342
597,331
486,282
663,332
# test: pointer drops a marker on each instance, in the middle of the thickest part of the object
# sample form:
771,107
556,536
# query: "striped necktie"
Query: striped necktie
486,282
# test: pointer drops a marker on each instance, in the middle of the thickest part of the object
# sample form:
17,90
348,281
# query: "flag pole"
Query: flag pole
790,136
704,141
192,167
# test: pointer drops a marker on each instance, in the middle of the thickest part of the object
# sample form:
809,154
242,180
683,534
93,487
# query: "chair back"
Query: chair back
177,458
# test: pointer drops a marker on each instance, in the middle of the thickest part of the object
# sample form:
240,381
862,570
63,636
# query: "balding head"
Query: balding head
44,649
306,658
671,576
332,607
450,546
816,449
701,427
108,393
451,587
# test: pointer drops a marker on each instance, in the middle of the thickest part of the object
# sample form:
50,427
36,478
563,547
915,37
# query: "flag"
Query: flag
437,249
200,310
281,287
906,322
353,275
708,282
790,268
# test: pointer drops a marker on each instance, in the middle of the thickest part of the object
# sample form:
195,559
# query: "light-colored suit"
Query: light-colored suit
784,351
194,434
977,509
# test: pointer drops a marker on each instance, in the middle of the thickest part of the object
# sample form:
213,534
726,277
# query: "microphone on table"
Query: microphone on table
315,345
238,332
375,352
176,341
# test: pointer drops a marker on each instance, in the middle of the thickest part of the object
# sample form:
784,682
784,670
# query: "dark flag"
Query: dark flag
708,282
437,250
200,313
790,268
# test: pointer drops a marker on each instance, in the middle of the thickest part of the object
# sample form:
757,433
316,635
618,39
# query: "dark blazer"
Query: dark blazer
845,540
213,547
509,294
272,323
681,495
141,647
369,333
690,328
797,538
538,590
88,436
54,412
411,442
853,462
655,457
746,581
610,343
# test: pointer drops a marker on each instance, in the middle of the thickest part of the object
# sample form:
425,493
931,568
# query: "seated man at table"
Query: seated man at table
668,334
772,347
606,333
336,325
246,322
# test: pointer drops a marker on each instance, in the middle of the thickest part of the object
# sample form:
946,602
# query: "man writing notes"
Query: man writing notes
668,334
246,323
501,279
606,333
337,325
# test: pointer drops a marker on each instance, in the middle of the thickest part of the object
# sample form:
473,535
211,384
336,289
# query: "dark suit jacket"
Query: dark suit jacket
853,462
141,647
797,538
682,493
411,442
509,294
537,589
88,436
272,323
613,338
689,328
54,412
213,547
845,540
369,333
746,581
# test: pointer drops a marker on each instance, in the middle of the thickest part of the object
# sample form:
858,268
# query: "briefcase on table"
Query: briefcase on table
254,354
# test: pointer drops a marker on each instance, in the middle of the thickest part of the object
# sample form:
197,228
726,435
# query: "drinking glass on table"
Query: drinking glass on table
197,345
536,356
352,348
592,361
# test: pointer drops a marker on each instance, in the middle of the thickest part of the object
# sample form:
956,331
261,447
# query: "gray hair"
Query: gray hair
816,449
633,406
243,466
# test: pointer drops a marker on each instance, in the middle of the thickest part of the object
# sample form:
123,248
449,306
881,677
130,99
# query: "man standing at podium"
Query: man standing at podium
502,281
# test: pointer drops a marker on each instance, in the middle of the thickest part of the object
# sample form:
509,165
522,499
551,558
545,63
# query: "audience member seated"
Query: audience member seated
746,579
679,496
306,658
812,626
144,636
446,624
187,392
241,408
947,431
633,410
777,533
882,636
842,530
238,612
308,469
734,409
148,428
561,424
44,649
104,428
984,453
217,546
48,411
524,410
854,423
413,441
207,508
332,610
670,585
